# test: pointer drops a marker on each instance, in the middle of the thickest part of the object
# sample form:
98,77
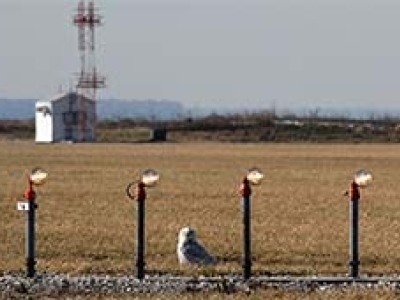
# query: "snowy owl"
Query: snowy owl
190,251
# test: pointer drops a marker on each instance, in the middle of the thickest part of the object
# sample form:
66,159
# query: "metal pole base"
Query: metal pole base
30,267
247,270
353,272
140,271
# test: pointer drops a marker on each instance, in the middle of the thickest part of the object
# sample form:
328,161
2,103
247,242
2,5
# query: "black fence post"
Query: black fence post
140,234
30,196
353,238
245,191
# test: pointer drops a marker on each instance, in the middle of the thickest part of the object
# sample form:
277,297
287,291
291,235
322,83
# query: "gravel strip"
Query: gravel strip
53,283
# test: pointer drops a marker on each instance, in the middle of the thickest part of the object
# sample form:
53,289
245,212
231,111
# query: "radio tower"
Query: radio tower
89,80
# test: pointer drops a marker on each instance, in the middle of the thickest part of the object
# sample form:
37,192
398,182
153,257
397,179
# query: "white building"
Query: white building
65,117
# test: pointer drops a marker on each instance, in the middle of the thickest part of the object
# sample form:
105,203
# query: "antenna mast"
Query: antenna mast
86,19
89,80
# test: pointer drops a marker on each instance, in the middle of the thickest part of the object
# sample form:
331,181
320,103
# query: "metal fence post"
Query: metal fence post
141,196
353,238
30,196
245,191
30,239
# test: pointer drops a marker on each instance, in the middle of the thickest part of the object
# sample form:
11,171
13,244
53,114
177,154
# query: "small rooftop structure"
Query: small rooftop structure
65,117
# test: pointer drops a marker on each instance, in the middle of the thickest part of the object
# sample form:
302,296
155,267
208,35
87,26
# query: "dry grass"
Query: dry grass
299,216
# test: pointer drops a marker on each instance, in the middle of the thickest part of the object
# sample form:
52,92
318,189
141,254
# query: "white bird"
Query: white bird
190,251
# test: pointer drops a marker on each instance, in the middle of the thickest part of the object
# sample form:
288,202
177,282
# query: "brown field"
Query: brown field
86,224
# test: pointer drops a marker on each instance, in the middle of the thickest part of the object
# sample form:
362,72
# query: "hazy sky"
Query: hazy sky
231,53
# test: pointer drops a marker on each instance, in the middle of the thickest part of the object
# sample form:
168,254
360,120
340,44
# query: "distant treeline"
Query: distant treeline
248,127
268,127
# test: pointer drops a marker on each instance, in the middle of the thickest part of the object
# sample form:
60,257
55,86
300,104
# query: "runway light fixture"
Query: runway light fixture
150,177
361,179
37,176
254,176
136,191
